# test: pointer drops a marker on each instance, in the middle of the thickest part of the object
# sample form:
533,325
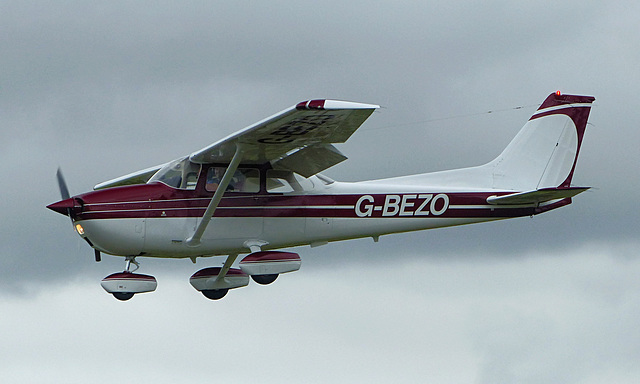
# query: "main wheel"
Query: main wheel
264,279
215,294
123,296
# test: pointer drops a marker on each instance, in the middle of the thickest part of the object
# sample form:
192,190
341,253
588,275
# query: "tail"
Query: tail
545,152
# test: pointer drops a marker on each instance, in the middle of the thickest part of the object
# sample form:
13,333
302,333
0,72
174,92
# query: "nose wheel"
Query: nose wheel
123,296
123,285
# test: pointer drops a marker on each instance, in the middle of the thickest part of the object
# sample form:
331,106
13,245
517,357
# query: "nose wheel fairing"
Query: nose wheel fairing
123,285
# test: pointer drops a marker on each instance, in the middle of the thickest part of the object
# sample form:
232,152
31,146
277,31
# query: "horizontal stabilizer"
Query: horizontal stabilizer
535,197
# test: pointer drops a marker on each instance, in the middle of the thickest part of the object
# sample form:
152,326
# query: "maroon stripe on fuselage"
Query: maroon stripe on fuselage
158,201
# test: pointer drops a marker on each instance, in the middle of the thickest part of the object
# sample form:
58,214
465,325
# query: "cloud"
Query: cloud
555,317
106,89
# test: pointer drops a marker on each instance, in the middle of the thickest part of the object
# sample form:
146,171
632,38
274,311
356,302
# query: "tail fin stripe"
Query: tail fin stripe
545,151
551,110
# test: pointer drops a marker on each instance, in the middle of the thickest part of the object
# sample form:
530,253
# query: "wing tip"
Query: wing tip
311,104
323,104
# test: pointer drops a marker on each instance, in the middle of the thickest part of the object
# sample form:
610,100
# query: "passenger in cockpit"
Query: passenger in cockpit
214,177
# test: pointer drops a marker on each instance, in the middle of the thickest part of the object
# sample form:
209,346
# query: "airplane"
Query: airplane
261,189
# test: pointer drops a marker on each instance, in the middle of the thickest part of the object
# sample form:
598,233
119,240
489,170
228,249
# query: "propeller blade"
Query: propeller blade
64,190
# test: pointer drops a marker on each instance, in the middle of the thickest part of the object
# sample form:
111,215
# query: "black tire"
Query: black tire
123,296
215,294
264,279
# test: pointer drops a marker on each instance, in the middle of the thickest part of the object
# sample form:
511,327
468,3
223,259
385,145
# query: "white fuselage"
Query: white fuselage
323,213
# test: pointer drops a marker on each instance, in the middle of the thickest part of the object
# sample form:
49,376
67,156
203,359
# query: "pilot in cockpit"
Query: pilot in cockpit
214,177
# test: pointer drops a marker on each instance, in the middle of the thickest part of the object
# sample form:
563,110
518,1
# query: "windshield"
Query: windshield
180,173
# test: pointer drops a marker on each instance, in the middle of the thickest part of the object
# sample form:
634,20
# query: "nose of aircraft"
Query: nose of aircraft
63,206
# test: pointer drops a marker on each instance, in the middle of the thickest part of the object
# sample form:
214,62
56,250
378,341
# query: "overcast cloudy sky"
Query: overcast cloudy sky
103,90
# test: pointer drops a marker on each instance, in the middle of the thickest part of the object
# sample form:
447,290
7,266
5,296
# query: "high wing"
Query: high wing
299,138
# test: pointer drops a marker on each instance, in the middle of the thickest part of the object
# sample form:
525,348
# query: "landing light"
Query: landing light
79,229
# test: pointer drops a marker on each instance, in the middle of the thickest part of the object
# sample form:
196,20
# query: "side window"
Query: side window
244,180
286,181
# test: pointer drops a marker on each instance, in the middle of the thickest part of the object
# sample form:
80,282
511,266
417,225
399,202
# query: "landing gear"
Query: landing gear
215,294
128,261
123,296
123,285
265,266
215,282
264,279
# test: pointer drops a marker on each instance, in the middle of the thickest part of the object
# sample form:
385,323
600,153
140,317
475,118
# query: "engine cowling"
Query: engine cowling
265,266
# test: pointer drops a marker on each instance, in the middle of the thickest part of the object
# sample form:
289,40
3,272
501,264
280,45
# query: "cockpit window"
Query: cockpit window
180,173
244,180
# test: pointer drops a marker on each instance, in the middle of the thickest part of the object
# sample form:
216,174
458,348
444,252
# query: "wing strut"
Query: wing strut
194,240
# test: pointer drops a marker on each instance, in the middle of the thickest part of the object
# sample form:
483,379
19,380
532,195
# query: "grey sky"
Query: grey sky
103,90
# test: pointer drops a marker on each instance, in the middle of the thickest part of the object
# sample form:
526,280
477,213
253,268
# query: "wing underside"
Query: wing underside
299,138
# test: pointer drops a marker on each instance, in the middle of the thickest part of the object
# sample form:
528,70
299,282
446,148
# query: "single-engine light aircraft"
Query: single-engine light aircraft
260,190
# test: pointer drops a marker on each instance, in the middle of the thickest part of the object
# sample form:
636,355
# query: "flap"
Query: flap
310,160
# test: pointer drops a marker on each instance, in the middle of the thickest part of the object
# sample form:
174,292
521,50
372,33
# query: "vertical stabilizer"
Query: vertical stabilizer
545,151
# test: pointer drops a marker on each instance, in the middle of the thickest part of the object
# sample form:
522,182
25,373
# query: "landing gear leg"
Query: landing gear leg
128,261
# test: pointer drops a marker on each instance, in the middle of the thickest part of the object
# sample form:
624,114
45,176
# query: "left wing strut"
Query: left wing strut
194,240
225,268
